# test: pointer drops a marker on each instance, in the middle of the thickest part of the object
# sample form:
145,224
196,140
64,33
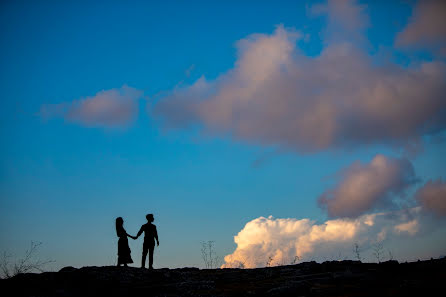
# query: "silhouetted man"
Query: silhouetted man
150,235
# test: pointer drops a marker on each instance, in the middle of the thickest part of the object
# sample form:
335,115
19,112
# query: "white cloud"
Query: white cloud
364,187
284,239
108,108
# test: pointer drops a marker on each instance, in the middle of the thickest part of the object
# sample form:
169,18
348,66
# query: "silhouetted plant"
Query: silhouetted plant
210,258
390,255
295,260
236,264
357,251
339,257
28,263
270,261
378,251
241,264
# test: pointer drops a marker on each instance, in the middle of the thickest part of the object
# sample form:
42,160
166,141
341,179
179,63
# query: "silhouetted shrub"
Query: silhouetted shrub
28,263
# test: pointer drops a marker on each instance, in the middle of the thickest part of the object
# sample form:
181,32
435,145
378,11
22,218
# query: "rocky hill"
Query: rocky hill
344,278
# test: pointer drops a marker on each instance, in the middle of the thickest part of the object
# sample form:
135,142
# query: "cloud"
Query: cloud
427,27
284,239
364,187
410,227
276,95
346,19
432,196
108,108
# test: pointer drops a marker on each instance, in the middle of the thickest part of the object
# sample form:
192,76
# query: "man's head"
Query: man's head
150,218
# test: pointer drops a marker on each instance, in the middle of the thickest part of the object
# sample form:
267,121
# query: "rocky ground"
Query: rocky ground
336,278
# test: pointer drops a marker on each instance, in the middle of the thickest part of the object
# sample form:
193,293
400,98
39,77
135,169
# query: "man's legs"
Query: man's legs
144,255
151,256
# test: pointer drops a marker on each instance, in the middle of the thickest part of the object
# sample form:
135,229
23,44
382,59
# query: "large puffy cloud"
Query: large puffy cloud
427,27
363,187
432,196
276,95
282,240
108,108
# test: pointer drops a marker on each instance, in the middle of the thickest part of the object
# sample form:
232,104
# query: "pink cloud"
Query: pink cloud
346,19
432,196
275,95
427,27
108,108
364,187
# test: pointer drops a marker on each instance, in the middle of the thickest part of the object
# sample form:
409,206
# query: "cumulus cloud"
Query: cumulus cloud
284,239
432,196
108,108
364,187
276,95
427,27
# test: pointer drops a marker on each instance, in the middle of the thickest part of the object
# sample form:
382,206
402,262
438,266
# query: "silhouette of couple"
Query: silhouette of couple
150,234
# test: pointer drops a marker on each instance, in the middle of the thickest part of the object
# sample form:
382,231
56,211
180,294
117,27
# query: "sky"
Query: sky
283,131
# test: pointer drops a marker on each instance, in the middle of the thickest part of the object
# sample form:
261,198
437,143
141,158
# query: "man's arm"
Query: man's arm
140,231
156,237
130,236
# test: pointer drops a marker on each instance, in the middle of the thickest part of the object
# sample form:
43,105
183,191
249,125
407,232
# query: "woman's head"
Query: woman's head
119,225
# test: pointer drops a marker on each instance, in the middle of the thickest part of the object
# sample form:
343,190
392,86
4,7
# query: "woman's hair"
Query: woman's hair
119,226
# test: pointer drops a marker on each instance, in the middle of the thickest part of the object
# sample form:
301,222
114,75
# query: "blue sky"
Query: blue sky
63,182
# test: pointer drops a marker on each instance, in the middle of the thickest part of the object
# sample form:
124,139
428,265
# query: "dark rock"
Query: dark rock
333,278
68,269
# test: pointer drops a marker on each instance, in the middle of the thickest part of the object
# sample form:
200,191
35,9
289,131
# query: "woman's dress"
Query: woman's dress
124,256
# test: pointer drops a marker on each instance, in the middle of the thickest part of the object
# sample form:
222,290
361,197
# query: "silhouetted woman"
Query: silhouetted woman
124,256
